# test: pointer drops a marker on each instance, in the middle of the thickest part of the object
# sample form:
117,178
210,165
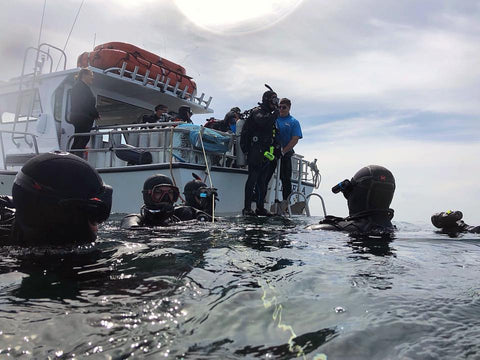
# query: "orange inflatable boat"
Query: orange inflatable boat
104,58
143,54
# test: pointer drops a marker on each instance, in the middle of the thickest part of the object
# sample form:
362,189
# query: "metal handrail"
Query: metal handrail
307,202
111,145
297,193
164,128
157,83
136,125
321,198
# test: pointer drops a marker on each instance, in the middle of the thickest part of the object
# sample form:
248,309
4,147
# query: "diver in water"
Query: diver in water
451,223
369,194
159,197
57,199
259,142
199,201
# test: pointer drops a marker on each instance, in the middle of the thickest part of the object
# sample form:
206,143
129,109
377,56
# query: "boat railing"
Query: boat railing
160,83
165,142
17,159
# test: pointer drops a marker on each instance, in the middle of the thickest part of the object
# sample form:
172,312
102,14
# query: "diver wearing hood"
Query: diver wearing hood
199,201
258,141
57,199
451,223
369,195
228,124
185,114
159,197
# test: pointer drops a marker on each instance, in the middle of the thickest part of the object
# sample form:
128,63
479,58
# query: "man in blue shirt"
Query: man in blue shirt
289,133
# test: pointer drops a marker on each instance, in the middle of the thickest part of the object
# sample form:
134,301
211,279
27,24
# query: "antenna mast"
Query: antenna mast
70,33
41,24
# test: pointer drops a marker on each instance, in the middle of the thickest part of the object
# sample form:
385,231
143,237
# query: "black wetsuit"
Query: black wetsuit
151,119
369,195
450,223
367,224
258,134
220,125
83,113
175,215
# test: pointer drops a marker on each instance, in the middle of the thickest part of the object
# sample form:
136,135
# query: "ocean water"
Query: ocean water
244,289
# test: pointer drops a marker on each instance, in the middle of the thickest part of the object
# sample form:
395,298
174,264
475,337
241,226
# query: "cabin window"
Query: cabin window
68,105
8,117
116,112
58,103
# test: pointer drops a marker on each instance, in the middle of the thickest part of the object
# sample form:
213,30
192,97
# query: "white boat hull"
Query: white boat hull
127,183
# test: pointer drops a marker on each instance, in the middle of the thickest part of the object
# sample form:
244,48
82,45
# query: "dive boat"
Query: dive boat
34,118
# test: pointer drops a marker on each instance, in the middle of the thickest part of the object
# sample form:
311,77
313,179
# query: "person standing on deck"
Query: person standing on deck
83,110
289,134
258,140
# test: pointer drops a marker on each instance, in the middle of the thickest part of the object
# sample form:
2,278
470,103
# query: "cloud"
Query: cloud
430,176
390,82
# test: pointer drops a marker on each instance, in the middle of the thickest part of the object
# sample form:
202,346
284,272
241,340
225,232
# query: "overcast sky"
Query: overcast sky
387,82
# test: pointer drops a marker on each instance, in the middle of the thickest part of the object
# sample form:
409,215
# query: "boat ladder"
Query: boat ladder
28,95
307,201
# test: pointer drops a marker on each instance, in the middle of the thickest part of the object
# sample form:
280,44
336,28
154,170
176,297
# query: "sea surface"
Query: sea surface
266,288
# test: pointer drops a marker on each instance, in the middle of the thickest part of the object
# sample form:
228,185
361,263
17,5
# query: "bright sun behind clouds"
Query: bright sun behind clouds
235,17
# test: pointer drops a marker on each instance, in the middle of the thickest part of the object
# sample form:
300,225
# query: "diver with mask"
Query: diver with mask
159,197
369,195
57,199
228,124
259,142
451,223
199,201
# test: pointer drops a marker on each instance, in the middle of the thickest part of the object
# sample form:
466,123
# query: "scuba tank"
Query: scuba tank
241,160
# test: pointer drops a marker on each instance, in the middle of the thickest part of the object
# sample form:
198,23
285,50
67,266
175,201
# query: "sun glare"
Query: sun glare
230,17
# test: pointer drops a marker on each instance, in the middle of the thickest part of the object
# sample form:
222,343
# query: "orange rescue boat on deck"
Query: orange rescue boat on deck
115,54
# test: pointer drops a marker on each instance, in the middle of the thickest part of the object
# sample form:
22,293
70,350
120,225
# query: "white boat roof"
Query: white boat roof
141,91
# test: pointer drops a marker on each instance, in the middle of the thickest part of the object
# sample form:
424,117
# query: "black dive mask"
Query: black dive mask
274,102
163,193
206,196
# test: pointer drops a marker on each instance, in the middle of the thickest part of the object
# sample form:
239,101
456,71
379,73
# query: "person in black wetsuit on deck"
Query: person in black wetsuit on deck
451,223
83,110
369,195
160,115
57,199
185,114
228,124
258,141
159,197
